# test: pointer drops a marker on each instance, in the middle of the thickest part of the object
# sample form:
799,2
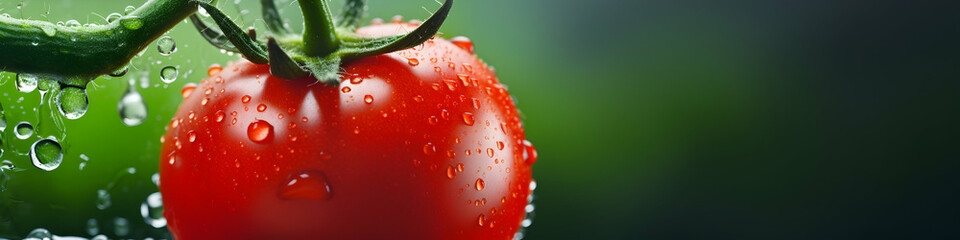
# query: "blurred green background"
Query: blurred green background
653,119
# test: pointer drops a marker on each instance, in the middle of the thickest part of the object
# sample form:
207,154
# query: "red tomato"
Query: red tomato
423,143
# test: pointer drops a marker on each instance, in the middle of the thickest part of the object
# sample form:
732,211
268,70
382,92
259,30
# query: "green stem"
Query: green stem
43,48
319,31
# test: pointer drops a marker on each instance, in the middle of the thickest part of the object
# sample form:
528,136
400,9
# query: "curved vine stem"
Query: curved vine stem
66,53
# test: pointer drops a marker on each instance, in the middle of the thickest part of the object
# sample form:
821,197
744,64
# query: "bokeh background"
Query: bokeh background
687,119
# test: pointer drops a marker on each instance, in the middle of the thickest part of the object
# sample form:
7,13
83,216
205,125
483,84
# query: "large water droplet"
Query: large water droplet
26,82
129,9
46,154
260,131
23,130
131,22
72,102
468,118
306,185
152,211
132,109
169,74
166,45
479,184
103,199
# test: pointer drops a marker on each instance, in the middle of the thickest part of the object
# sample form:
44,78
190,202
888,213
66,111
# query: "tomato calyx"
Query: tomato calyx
324,45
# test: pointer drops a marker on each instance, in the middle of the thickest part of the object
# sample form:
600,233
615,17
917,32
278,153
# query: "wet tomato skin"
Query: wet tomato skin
423,143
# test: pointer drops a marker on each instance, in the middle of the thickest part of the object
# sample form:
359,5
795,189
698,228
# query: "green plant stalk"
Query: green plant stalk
76,55
319,31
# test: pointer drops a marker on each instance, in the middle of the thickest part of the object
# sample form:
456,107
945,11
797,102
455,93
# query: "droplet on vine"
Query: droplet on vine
468,118
49,29
260,131
169,74
39,233
113,17
132,108
129,9
463,43
131,22
152,211
166,45
46,154
23,130
26,82
479,184
306,185
120,72
529,152
368,99
3,123
72,102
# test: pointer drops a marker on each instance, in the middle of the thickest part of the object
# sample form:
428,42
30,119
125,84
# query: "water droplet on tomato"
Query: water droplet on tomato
413,61
429,149
468,118
459,167
490,152
214,70
368,99
245,99
432,120
262,107
204,101
500,145
396,19
451,172
46,154
260,131
220,115
188,89
463,43
376,21
345,89
479,184
192,136
481,220
529,152
306,185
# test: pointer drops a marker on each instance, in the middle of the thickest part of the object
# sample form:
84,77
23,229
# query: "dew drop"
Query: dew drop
152,211
49,29
166,45
214,70
121,227
262,107
132,108
481,220
479,184
72,23
39,233
529,152
220,116
169,74
129,9
413,61
368,99
23,130
345,89
468,118
119,72
192,136
46,154
500,145
451,172
131,22
463,43
306,185
490,152
72,102
260,131
26,82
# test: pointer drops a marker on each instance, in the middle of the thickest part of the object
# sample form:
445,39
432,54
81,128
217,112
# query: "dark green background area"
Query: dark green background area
658,119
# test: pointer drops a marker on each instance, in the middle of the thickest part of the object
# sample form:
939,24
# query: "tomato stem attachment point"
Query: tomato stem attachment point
319,31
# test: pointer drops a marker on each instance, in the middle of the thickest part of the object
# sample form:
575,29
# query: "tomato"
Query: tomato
423,143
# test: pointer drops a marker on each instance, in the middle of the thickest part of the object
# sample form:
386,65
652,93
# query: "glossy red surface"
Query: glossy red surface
423,143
